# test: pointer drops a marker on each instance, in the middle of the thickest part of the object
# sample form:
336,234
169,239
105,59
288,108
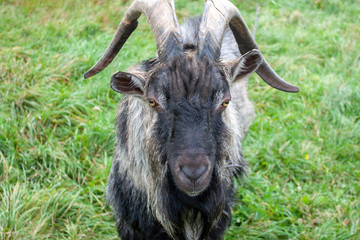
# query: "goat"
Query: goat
182,120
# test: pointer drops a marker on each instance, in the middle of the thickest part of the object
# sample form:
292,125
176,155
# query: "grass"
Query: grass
57,129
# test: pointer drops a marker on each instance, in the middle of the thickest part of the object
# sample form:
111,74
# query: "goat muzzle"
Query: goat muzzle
192,173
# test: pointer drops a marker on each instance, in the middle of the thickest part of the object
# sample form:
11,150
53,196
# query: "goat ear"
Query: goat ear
246,64
127,83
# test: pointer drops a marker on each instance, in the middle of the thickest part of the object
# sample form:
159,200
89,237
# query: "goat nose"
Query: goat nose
193,173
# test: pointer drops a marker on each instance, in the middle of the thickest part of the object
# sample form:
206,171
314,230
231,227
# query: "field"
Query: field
57,128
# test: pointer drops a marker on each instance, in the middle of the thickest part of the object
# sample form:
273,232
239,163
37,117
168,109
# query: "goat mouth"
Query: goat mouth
192,189
195,192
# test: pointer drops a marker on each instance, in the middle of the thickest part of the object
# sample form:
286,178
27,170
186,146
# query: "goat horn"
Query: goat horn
163,22
218,14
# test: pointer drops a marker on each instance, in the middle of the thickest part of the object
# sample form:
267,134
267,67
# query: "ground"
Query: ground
57,128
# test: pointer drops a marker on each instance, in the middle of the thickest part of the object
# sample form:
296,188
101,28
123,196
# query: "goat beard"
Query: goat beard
172,207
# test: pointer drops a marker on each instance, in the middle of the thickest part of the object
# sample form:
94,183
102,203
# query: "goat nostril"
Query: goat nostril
192,173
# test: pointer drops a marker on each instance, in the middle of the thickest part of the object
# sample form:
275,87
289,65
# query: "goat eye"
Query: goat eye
225,103
152,102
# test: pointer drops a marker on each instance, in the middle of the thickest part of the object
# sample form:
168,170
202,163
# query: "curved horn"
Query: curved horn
218,14
163,22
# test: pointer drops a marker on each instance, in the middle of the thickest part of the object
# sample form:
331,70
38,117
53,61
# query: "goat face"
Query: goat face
188,103
188,98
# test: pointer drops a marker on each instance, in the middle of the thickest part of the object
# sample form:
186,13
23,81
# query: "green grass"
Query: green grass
57,129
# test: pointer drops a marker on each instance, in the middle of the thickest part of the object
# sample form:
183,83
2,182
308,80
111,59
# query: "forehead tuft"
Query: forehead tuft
187,77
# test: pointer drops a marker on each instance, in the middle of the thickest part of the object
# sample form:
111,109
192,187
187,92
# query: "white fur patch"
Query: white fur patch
192,228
